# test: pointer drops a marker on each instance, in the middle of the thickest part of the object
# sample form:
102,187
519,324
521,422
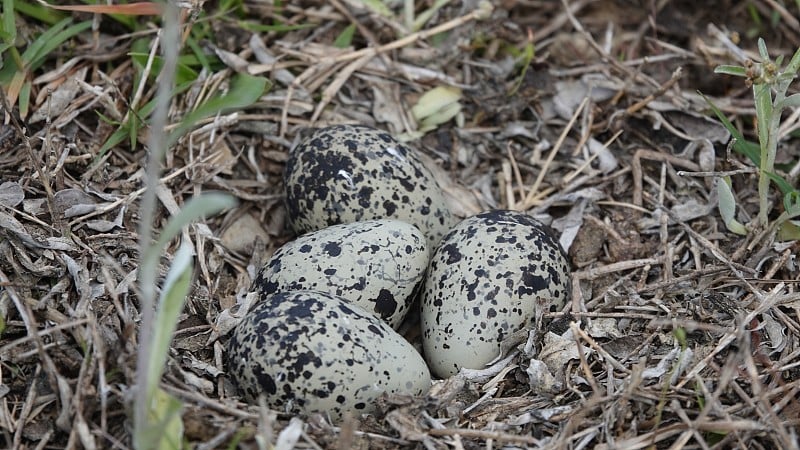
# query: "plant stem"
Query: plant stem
148,260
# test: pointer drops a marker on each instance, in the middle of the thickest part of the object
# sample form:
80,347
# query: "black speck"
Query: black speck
385,304
332,249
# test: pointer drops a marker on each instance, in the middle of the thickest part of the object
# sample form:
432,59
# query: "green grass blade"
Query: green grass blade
176,285
426,15
113,140
742,145
198,53
183,75
345,38
39,12
35,47
24,99
376,6
195,208
173,295
279,28
38,57
791,203
782,184
164,427
9,30
244,91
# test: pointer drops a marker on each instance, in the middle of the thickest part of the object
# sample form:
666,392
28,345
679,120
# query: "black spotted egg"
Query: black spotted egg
310,352
376,264
351,173
491,276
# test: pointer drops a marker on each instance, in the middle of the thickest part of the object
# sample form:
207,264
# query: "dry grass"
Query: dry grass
689,335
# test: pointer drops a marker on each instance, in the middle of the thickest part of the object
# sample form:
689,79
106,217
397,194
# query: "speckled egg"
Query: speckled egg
350,173
491,276
376,264
308,352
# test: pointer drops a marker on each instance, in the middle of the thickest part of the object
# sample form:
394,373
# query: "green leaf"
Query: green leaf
244,91
794,63
279,28
742,145
173,295
39,12
37,45
376,6
196,207
789,231
525,57
762,50
680,336
791,203
24,99
763,103
738,71
345,38
115,138
727,207
436,107
164,427
36,54
426,15
184,74
198,53
231,5
792,101
9,22
782,184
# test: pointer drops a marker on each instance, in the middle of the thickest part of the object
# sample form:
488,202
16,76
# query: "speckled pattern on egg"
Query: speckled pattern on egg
491,276
308,351
376,264
351,173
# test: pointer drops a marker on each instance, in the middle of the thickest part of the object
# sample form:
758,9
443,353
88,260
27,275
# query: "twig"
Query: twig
676,75
484,10
539,178
636,168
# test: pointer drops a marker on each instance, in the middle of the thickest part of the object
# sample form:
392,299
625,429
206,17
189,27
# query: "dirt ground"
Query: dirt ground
587,114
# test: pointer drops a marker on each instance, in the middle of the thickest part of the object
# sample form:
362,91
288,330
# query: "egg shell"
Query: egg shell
309,352
351,173
492,275
376,264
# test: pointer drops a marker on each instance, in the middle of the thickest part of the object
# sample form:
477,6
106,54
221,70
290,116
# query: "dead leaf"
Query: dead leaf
560,350
11,194
241,235
59,99
540,380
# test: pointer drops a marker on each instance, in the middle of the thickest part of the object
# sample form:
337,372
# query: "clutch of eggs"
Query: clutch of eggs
321,337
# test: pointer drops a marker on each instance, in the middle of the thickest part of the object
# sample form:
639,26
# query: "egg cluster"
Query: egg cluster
378,233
